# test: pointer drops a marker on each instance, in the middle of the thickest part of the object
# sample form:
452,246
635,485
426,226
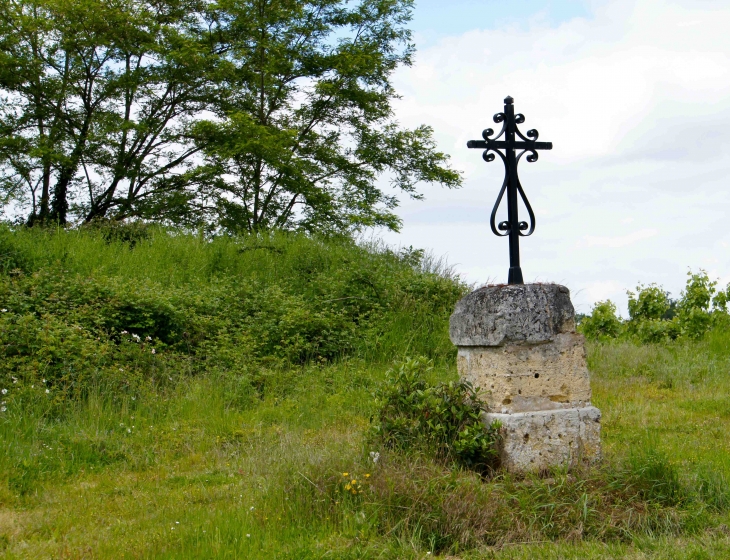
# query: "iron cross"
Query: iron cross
513,227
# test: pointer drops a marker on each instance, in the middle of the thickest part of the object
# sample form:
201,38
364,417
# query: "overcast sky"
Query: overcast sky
634,95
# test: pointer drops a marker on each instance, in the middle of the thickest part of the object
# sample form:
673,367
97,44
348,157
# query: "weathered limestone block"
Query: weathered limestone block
524,377
518,344
533,441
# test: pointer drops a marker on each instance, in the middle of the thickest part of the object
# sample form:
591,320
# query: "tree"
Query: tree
305,134
98,99
239,114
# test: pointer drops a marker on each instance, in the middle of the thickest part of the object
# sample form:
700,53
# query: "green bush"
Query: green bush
91,305
444,419
655,317
602,322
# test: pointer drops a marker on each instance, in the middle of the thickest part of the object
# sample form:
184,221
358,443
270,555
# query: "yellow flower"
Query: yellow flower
353,481
367,476
345,474
347,487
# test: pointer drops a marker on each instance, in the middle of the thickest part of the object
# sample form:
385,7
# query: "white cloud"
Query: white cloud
636,101
617,241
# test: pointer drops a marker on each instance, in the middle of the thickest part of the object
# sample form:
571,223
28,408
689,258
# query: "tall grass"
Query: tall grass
233,442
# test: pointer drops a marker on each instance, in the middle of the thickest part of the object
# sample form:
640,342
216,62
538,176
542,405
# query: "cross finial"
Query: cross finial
513,140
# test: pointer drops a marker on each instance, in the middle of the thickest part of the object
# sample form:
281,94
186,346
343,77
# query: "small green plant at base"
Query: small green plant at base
444,419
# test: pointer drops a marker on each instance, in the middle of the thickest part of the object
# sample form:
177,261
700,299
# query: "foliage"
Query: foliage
237,115
128,306
98,97
445,418
655,317
206,450
241,441
602,322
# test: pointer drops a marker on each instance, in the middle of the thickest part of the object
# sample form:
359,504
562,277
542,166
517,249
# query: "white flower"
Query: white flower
15,379
149,338
4,310
134,398
374,455
136,337
251,508
48,391
3,408
154,351
125,332
44,381
248,535
129,430
177,523
4,391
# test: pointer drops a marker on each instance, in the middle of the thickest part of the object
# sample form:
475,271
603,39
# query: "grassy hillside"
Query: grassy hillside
232,438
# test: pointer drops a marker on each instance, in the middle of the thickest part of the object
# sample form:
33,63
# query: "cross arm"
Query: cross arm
493,144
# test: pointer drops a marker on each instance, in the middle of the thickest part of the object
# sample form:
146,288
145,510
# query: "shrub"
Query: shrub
656,317
602,322
694,312
444,419
90,305
648,303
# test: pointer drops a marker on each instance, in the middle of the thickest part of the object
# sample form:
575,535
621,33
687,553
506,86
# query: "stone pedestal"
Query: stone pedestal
518,344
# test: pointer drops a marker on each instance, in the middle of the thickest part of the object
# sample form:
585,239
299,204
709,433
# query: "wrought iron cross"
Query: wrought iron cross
513,227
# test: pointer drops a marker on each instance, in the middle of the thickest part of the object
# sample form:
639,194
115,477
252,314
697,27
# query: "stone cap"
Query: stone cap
512,313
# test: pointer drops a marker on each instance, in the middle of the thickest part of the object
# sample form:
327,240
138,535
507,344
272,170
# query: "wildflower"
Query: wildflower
136,337
3,408
374,455
4,310
44,381
248,535
353,482
345,474
4,391
48,391
148,339
251,508
154,351
177,523
125,332
129,430
134,398
367,475
15,379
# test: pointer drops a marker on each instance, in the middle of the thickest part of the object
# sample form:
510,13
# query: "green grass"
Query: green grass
212,449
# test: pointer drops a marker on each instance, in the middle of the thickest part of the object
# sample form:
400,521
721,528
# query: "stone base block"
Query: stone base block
529,377
534,441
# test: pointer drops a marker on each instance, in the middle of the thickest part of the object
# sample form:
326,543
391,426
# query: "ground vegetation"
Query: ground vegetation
168,395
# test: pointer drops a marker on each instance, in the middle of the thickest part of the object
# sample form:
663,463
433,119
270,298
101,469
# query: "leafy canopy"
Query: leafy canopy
240,115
